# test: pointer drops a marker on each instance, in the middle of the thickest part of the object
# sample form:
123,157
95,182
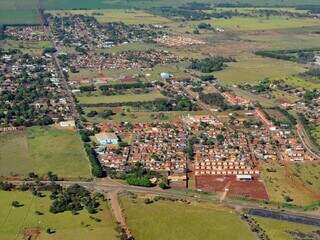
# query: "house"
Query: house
68,124
244,177
106,138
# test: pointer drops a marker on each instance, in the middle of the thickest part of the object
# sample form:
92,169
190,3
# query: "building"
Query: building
68,124
107,138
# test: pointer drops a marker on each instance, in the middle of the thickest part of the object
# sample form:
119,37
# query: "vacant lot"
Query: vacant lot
17,222
175,220
281,183
30,47
278,230
252,69
95,99
43,149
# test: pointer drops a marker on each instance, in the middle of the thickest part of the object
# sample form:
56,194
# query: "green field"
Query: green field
30,47
43,149
175,220
280,181
315,132
252,69
96,99
278,230
259,23
116,15
15,222
18,12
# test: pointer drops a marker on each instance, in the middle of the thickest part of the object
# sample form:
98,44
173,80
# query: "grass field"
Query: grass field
315,132
117,15
30,47
95,99
172,221
260,23
43,149
281,182
18,12
122,115
15,221
252,69
278,230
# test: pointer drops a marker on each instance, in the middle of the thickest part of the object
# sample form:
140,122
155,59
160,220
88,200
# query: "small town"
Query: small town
145,120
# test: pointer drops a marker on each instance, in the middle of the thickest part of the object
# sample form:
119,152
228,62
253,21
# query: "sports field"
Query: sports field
175,220
19,223
43,149
96,99
278,230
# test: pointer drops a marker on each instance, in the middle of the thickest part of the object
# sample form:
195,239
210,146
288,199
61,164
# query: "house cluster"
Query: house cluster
26,33
234,99
85,32
177,41
278,142
30,90
122,60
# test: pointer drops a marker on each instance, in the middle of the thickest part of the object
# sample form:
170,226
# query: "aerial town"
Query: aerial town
199,109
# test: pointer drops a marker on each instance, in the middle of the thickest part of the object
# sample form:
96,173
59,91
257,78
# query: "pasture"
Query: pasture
16,223
43,149
278,230
175,220
97,98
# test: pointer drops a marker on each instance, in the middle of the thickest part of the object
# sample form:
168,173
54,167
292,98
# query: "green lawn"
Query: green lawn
252,69
43,149
174,220
15,221
96,99
278,230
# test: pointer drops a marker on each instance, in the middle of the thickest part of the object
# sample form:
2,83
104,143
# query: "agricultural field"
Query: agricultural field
21,222
43,149
252,69
176,220
258,23
96,99
278,230
19,12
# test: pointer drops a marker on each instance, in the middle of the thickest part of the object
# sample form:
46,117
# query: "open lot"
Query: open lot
43,149
96,99
278,230
176,220
16,223
280,182
30,47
